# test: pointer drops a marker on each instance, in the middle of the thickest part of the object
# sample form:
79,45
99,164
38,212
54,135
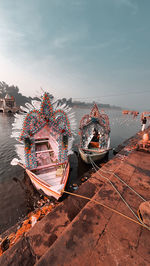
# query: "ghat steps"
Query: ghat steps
79,232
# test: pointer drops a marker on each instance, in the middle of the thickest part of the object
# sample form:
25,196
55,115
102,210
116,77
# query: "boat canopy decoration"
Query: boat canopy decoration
35,120
95,116
98,122
46,107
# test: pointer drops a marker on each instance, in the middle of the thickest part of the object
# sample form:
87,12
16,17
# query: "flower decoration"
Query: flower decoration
35,120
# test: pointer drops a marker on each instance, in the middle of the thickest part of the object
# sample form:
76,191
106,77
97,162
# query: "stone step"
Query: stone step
97,236
38,240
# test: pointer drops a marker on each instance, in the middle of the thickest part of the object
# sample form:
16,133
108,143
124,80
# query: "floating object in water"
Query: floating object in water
83,179
94,137
74,186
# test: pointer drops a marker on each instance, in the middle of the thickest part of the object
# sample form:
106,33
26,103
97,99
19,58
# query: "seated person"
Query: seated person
95,135
94,139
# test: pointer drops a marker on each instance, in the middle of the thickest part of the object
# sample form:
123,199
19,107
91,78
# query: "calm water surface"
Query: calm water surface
13,204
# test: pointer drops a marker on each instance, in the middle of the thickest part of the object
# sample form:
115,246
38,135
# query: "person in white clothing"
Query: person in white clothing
144,120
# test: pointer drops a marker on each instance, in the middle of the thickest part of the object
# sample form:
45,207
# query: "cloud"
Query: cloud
116,41
64,41
101,45
9,37
127,3
69,38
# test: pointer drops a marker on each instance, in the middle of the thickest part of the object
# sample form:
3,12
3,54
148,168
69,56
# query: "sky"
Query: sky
84,49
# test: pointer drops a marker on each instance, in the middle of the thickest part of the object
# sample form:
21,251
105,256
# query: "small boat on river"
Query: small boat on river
45,134
145,114
128,112
94,136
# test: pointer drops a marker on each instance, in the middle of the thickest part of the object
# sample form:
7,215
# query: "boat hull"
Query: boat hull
48,190
93,156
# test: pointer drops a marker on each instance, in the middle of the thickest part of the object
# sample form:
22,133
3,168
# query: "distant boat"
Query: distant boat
94,136
145,114
125,112
128,112
46,139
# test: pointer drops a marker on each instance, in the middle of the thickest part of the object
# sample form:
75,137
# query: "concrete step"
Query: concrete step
97,236
34,244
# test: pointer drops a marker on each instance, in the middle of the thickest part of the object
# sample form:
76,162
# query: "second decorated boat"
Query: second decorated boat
94,136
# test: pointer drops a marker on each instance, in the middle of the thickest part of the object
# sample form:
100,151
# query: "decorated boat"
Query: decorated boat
45,132
94,135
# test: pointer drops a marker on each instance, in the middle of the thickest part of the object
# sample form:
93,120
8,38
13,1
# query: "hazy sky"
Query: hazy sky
78,48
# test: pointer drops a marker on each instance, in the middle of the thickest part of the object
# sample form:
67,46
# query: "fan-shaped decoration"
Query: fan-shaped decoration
84,121
95,116
62,122
33,122
94,111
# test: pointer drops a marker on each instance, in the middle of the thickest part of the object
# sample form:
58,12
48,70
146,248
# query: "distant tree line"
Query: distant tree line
21,99
79,104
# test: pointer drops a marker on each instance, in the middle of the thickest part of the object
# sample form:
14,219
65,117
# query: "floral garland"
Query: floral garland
30,156
94,116
46,107
62,122
35,120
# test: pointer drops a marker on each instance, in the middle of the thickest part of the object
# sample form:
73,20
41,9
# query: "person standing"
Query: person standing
144,120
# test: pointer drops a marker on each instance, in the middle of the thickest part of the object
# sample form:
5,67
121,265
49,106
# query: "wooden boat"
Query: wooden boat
145,114
94,147
46,139
128,112
125,112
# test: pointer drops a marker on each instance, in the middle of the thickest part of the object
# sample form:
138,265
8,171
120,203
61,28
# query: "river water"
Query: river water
13,198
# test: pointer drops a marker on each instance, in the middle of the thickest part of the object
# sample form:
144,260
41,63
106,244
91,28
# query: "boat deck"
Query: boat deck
51,178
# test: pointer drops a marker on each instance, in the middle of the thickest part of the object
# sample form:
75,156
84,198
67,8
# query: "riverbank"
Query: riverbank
81,232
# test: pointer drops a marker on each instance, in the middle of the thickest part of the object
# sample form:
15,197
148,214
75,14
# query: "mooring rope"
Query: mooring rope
111,172
107,207
116,191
